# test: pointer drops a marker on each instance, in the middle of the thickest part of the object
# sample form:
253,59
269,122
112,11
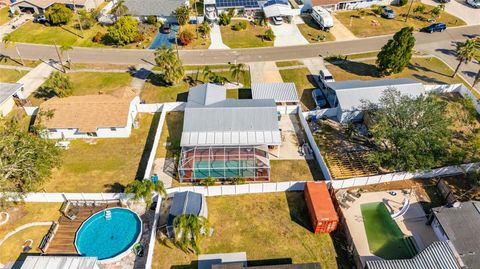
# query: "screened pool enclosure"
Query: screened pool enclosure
249,162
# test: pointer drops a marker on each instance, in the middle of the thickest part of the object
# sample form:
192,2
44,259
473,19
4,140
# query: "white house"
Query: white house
102,116
39,6
349,96
8,93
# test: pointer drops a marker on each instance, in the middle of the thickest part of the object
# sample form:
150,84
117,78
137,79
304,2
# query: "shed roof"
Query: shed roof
59,262
351,93
8,89
89,112
185,203
438,255
228,121
161,8
461,225
280,92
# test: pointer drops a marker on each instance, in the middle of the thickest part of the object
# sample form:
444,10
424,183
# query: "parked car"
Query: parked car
277,20
166,28
474,3
388,13
443,1
324,77
40,19
318,98
436,27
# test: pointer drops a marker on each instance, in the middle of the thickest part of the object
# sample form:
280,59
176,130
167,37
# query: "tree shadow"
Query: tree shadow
70,31
358,68
469,74
269,262
298,209
417,67
114,187
428,79
158,80
450,52
142,166
5,58
44,93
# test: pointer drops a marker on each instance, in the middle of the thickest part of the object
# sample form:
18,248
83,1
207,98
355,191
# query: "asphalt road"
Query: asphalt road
439,44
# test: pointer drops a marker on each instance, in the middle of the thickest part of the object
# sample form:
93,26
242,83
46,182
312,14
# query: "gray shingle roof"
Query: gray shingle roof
161,8
280,92
351,93
7,90
438,255
462,225
228,121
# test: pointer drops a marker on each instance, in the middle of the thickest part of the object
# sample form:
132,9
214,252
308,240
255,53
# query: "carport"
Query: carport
277,8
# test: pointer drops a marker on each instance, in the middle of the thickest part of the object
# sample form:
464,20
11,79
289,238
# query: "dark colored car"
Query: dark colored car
388,13
443,1
40,19
436,27
166,28
318,98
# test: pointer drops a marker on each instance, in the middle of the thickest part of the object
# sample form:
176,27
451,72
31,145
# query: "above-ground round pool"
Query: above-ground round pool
108,237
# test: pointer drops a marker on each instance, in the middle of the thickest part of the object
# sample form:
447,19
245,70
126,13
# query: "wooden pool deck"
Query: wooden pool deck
63,241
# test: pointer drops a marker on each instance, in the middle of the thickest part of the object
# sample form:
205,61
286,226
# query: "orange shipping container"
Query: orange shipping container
323,216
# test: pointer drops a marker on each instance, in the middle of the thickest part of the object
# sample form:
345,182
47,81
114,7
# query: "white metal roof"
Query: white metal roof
59,262
280,92
351,93
274,8
8,89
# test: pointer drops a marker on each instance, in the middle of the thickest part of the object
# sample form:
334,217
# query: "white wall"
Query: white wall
7,106
287,109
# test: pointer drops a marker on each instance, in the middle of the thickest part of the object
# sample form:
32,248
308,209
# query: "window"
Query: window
113,129
94,134
52,130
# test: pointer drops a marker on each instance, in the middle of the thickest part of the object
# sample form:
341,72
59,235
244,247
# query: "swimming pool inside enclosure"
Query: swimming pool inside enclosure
108,235
385,238
249,162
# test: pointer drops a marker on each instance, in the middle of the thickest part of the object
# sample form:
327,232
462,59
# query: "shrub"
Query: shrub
242,25
152,20
224,19
377,10
401,3
124,31
98,37
270,35
186,37
58,14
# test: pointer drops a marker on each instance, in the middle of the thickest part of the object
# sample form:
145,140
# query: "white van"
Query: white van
322,17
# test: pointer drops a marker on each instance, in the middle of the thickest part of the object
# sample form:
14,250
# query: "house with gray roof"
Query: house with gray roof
227,138
349,96
284,94
459,224
438,255
9,93
162,9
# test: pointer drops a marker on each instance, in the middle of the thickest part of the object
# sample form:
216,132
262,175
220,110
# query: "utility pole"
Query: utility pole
78,19
59,57
409,8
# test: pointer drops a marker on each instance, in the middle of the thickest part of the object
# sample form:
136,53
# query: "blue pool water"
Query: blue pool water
103,238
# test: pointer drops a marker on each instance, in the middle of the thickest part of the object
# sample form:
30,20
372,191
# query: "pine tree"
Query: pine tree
396,54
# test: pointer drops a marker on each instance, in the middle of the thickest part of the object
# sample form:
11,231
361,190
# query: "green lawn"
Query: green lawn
201,67
367,25
105,166
312,31
199,42
265,226
11,75
294,170
289,63
21,214
4,60
427,70
304,84
4,18
88,83
249,38
155,90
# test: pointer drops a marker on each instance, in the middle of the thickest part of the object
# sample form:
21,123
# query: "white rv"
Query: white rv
322,17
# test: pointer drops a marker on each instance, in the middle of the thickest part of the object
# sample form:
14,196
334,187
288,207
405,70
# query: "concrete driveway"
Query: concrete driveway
460,9
287,34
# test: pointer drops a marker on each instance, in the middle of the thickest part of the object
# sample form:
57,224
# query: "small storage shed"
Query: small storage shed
186,203
322,213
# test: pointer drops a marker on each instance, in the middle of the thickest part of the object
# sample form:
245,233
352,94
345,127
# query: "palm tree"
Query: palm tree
142,189
66,48
59,57
237,70
7,41
187,232
465,52
119,9
169,64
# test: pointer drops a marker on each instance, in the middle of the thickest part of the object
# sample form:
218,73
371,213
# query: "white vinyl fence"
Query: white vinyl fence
152,108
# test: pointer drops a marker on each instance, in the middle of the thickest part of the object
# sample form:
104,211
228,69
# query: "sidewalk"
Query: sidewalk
216,38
